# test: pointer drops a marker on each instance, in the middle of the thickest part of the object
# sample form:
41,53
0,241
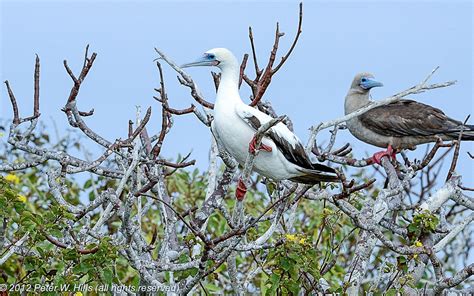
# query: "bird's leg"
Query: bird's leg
253,143
390,152
240,190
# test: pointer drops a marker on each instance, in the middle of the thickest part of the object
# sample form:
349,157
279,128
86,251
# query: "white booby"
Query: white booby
399,125
235,123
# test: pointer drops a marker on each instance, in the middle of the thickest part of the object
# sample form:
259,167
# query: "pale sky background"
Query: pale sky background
399,41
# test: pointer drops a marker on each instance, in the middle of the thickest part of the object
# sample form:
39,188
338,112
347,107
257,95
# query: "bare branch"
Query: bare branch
460,276
16,116
186,80
36,91
261,82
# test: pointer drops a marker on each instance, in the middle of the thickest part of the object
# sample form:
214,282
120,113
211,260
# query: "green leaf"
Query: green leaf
19,207
70,254
29,225
56,232
285,264
263,286
60,266
391,292
295,256
274,281
30,263
41,251
83,267
402,263
270,188
294,287
107,275
88,184
212,288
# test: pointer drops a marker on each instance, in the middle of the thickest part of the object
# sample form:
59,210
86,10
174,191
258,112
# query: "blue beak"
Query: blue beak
369,83
203,61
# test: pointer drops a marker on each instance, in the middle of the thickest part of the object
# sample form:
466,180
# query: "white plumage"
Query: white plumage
235,124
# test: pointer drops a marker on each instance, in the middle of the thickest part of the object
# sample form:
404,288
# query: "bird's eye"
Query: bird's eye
364,79
211,56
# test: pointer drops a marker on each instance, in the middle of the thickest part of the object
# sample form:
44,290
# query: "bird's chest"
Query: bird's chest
233,133
364,134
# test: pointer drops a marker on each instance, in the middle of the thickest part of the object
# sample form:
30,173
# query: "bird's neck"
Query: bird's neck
228,91
355,100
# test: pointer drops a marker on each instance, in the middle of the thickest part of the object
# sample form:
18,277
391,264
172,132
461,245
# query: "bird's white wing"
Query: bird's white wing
286,141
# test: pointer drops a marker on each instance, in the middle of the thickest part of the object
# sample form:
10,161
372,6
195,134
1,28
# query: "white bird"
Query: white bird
235,124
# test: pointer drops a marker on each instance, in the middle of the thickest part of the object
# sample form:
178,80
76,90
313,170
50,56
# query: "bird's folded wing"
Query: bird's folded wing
407,118
287,142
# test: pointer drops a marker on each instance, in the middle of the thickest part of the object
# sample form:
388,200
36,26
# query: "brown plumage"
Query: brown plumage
411,118
402,124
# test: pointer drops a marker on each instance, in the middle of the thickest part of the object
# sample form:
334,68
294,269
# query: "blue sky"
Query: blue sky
400,42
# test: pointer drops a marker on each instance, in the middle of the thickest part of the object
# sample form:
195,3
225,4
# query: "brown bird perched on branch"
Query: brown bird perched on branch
399,125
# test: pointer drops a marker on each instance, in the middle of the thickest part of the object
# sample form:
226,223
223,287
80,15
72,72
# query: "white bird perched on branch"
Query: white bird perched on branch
235,124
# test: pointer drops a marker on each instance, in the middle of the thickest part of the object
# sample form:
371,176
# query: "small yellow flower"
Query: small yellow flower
21,198
12,178
302,241
418,244
78,294
415,256
327,212
291,237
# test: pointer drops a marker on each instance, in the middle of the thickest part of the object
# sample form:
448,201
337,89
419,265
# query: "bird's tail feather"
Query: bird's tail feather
467,133
322,168
321,174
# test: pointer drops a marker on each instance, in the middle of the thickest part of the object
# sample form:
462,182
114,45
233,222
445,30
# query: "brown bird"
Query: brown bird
400,125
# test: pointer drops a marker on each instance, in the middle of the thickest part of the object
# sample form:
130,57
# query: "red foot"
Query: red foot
262,146
241,190
390,152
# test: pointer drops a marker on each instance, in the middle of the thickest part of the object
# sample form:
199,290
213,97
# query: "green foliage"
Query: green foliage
45,261
291,262
422,223
27,207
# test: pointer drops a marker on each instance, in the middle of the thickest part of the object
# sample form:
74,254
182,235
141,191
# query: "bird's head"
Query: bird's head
363,82
219,57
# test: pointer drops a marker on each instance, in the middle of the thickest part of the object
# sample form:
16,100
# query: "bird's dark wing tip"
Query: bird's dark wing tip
314,176
313,179
323,168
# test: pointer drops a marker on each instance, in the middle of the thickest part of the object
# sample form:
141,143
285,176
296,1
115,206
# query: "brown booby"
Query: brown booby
403,124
